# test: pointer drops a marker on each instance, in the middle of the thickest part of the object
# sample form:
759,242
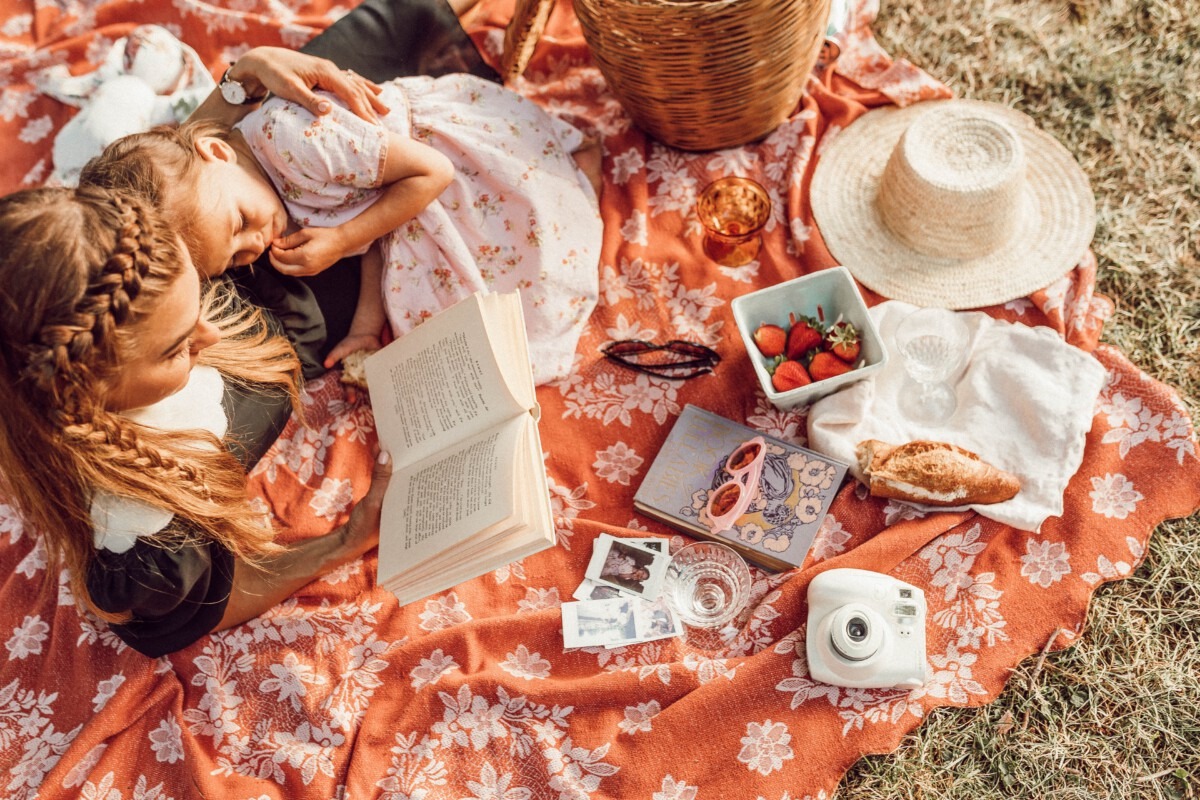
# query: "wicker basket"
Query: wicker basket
705,74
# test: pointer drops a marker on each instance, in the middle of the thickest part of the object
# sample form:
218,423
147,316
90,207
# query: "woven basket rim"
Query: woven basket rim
705,74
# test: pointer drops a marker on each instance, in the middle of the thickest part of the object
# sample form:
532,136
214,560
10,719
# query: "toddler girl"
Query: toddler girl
465,186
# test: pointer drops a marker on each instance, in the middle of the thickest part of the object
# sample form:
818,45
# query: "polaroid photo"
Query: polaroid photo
590,590
599,623
617,622
654,543
656,621
630,567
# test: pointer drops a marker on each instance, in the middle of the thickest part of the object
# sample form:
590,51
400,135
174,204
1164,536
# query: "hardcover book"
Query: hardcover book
794,493
454,404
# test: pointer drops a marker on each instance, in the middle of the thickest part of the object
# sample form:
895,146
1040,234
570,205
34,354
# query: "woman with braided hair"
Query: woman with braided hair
113,372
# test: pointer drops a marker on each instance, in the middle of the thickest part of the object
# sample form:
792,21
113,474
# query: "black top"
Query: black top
177,594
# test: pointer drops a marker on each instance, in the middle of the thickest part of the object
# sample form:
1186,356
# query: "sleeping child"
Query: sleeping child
464,186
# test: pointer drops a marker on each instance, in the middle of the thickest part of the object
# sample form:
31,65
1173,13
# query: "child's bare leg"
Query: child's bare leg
590,158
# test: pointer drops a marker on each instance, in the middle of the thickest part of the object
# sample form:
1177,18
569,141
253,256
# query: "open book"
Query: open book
455,405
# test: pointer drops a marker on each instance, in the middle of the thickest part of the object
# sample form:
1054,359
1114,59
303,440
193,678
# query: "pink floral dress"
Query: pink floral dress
519,214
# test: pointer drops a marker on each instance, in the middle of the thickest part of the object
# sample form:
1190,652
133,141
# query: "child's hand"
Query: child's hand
353,342
308,251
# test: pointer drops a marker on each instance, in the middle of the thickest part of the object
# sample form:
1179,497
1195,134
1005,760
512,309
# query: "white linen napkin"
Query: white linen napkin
1026,400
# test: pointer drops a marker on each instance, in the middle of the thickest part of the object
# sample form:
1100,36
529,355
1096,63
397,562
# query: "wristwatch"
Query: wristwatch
234,92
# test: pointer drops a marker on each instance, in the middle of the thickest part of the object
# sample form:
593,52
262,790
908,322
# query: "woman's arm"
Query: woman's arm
414,174
294,76
259,587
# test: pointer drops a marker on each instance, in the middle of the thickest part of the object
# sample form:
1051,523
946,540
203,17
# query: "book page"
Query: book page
528,530
452,376
438,503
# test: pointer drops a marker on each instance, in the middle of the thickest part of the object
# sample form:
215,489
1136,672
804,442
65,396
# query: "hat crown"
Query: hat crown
953,185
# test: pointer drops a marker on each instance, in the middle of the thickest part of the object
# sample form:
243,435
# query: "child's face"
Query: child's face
238,212
165,346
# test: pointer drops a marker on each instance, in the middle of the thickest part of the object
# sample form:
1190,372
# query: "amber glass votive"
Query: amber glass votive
733,212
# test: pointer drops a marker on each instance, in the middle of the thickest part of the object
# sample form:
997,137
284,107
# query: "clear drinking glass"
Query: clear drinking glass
932,343
733,212
707,584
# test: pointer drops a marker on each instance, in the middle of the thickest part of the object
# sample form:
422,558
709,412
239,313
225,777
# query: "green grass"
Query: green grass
1118,714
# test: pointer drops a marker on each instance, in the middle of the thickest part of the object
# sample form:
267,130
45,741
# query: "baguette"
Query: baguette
933,473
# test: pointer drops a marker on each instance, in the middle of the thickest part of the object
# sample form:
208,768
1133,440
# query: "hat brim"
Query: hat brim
1051,239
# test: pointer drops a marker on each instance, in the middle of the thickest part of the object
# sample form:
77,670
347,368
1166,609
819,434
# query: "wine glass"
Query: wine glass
933,345
707,584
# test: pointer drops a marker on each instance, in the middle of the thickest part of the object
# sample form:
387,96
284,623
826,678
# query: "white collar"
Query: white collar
117,521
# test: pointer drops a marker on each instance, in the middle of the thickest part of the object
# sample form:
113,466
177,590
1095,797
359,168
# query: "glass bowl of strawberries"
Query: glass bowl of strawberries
809,337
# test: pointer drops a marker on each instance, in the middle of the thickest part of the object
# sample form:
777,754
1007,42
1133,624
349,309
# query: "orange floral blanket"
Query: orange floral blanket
339,693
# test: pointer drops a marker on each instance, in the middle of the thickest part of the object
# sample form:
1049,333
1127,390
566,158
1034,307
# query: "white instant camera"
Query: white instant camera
866,630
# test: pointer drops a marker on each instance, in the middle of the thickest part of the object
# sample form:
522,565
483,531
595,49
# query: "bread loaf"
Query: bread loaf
933,473
354,372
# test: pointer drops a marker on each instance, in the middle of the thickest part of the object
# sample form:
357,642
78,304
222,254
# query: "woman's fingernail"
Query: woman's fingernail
324,106
384,457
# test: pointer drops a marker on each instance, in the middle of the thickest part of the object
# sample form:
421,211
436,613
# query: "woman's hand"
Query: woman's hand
361,531
294,76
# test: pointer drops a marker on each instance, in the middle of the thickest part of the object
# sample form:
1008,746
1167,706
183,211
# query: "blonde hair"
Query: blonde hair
79,269
161,165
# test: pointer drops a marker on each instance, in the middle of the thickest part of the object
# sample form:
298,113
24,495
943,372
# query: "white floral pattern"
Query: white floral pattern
1045,563
766,746
1114,496
338,692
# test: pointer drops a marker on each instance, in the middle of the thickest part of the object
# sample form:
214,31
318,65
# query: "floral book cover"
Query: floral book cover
779,526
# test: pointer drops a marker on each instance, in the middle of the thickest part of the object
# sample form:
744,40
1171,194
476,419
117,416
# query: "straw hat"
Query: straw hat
952,203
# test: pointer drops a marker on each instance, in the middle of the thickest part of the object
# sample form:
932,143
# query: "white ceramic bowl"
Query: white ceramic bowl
835,291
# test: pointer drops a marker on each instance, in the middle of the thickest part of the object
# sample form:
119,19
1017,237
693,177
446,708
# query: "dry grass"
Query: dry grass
1118,714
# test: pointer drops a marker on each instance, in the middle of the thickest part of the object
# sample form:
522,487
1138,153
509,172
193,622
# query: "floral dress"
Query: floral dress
518,216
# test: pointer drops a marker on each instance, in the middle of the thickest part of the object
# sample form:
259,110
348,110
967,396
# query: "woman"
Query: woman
112,375
152,522
101,327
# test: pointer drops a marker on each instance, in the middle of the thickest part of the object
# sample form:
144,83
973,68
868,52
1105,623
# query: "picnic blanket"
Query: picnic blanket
469,693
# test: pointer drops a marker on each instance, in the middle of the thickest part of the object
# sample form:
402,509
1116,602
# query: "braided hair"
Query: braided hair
79,270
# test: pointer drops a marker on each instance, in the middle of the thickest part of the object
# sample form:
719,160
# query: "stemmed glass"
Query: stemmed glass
707,584
933,345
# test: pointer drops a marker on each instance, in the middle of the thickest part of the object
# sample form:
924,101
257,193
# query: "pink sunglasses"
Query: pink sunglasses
730,500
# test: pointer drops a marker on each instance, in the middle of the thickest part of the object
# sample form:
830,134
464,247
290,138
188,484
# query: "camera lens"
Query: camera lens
856,633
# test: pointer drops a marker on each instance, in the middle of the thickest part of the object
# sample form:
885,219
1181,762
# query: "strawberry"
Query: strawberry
770,339
844,342
804,335
789,375
826,365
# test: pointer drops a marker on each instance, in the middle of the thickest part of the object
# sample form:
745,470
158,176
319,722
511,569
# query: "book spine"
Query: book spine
701,532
